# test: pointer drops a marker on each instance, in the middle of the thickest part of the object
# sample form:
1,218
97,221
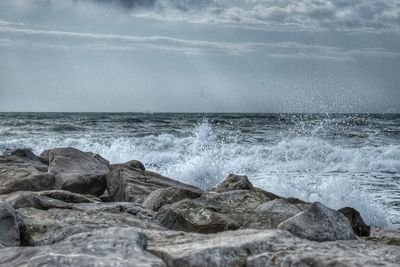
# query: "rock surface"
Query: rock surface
21,172
234,182
33,200
77,171
319,223
360,228
9,231
270,214
169,195
128,182
108,247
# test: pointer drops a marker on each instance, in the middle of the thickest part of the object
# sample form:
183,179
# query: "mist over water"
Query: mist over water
340,160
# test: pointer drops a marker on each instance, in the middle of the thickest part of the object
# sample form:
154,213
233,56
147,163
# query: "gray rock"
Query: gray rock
108,247
128,182
233,182
319,223
264,248
77,171
169,195
32,200
360,228
68,197
384,236
212,212
9,231
270,214
19,172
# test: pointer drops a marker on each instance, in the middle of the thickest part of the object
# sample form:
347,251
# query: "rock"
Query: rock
32,200
233,182
212,212
384,236
108,247
264,248
68,197
360,228
23,172
77,171
27,153
9,231
128,182
270,214
319,223
43,227
187,215
169,195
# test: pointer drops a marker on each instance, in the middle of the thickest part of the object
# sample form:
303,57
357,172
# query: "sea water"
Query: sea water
337,159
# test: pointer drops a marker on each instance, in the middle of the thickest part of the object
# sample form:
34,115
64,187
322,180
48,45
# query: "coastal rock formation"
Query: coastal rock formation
106,247
233,182
169,195
360,228
69,197
9,231
270,214
21,170
77,171
132,183
319,223
32,200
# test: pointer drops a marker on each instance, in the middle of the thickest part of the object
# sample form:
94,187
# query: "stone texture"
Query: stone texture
270,214
68,197
319,223
169,195
108,247
233,182
384,236
77,171
32,200
128,182
9,231
360,228
23,172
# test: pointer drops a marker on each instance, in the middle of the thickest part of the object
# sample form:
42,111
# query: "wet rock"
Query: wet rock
23,172
270,214
169,195
42,227
319,223
32,200
384,236
77,171
128,182
233,182
68,197
108,247
360,228
212,212
9,231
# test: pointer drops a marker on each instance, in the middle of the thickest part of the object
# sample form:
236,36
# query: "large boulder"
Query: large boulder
33,200
233,182
169,195
131,182
319,223
270,214
212,212
77,171
105,247
21,170
68,197
360,228
9,231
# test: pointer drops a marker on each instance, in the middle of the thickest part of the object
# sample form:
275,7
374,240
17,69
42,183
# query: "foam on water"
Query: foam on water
308,167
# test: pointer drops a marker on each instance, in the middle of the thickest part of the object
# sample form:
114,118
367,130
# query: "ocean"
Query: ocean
337,159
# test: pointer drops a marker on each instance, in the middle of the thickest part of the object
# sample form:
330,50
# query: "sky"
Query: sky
200,56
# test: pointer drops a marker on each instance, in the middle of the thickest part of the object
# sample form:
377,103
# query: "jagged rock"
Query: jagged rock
32,200
106,247
68,197
23,172
270,214
129,182
169,195
360,228
40,227
258,248
77,171
9,231
319,223
212,212
233,182
187,215
302,205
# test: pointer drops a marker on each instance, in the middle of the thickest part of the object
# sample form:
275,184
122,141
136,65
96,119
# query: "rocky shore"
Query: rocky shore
72,208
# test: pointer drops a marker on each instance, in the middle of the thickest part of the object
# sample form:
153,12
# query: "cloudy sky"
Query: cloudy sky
200,55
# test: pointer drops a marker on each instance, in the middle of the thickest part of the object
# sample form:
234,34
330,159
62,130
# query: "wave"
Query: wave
307,167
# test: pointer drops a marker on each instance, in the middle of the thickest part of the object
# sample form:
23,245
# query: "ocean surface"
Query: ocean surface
339,160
